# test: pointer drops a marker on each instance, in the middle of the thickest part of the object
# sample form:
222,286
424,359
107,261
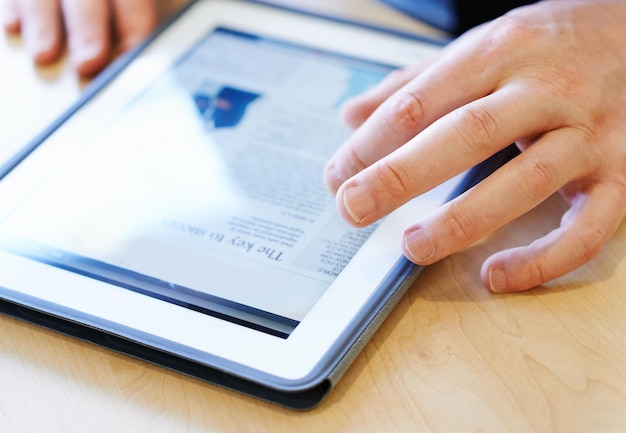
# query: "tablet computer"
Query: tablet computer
177,212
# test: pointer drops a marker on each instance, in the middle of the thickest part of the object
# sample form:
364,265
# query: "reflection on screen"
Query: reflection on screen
206,191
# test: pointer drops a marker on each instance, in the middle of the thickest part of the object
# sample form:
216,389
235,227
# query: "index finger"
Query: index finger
462,74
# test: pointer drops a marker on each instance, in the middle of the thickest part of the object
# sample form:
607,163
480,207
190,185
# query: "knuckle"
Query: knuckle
477,127
536,273
394,179
508,30
587,242
539,175
356,161
405,113
591,240
461,228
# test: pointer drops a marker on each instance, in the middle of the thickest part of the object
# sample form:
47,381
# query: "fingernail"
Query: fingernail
419,244
358,203
497,280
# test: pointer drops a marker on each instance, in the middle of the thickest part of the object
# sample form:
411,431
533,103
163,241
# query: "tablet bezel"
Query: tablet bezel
314,348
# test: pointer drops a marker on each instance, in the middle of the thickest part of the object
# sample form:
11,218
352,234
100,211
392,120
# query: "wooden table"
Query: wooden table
450,358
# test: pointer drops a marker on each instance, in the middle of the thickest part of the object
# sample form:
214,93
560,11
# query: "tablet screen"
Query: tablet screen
206,190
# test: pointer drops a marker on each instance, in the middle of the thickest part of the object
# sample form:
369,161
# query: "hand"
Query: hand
550,77
90,36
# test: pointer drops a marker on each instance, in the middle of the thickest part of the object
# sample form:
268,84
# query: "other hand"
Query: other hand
93,28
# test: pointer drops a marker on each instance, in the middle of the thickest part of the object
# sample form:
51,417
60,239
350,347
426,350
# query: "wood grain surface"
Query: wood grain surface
450,358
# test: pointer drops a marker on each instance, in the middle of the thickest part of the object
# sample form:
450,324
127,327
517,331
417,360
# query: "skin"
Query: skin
550,77
93,29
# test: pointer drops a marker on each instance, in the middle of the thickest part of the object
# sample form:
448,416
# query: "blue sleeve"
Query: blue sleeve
455,16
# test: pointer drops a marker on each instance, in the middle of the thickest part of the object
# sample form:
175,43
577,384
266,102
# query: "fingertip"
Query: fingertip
10,18
129,42
510,271
12,26
89,68
495,273
353,113
90,58
355,204
495,280
129,39
49,49
418,245
44,46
